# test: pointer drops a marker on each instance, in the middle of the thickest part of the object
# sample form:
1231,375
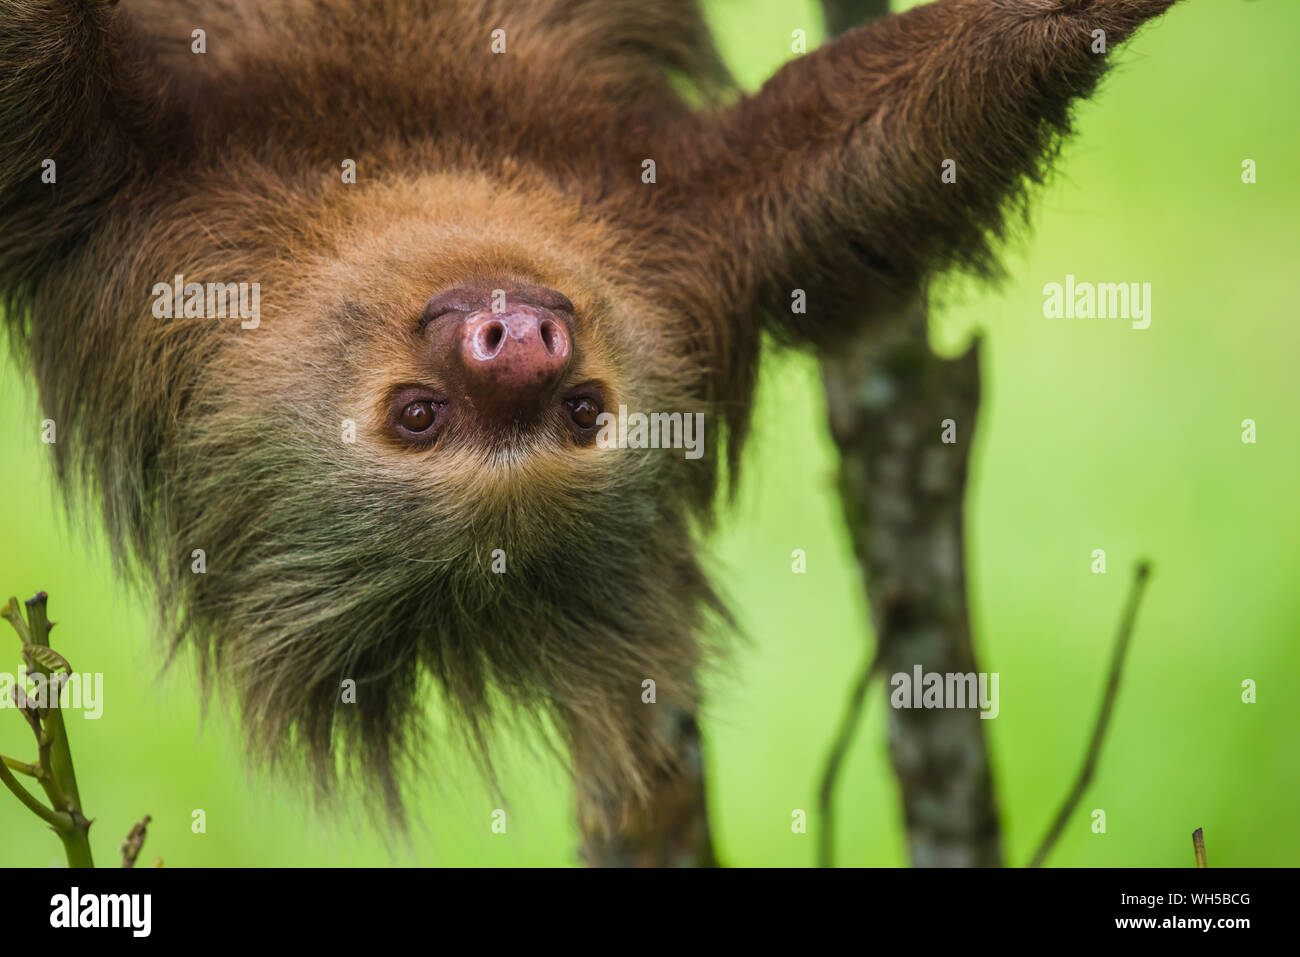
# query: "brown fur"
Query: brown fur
369,561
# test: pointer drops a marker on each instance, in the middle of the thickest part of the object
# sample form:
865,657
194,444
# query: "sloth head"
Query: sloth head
397,472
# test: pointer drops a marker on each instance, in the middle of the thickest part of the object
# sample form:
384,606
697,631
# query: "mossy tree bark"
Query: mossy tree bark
903,492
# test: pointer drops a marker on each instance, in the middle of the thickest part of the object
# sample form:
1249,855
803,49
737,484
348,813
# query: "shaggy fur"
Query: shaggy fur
329,560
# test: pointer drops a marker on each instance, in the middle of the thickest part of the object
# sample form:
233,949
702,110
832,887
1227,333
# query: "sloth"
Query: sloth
474,230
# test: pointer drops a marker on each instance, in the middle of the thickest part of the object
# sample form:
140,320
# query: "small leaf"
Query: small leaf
51,659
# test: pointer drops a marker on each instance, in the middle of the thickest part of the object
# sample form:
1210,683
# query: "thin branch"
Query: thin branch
1198,845
134,841
22,767
853,712
55,819
1140,577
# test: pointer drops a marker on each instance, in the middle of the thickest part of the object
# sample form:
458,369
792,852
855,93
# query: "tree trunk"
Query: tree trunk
888,396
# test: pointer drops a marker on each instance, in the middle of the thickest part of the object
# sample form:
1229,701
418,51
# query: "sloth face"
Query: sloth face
398,470
440,354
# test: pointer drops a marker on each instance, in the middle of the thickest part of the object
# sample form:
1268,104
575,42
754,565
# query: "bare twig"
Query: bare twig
1140,577
853,712
1198,845
134,842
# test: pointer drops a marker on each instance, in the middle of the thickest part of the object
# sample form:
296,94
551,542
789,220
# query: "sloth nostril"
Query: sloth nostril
549,336
493,335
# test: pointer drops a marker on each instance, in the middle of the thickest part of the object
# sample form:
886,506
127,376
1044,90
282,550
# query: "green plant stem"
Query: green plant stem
62,823
76,843
62,775
22,767
57,777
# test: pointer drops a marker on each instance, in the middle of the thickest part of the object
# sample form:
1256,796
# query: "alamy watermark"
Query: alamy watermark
214,300
83,692
931,689
657,430
74,909
1099,300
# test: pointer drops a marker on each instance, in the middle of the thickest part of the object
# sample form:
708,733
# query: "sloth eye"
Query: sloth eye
583,411
418,416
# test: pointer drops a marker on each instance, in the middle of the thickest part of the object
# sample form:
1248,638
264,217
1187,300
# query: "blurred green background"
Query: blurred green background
1092,435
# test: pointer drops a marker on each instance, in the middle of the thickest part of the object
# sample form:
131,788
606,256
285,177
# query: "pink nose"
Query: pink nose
513,360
